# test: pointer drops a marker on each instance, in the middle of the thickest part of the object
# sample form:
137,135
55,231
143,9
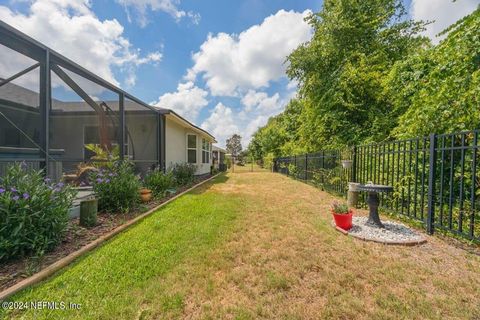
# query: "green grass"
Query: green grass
112,282
277,282
258,245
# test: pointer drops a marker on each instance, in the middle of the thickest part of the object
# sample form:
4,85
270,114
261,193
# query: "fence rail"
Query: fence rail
436,178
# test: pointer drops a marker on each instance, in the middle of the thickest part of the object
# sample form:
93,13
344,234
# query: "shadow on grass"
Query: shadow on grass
221,178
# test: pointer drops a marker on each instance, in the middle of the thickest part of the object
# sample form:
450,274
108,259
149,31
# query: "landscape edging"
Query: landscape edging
407,243
65,261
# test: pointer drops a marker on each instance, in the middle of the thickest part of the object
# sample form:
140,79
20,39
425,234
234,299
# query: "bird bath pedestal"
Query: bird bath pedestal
373,201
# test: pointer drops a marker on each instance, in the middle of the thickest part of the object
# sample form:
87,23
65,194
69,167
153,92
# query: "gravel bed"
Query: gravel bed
393,231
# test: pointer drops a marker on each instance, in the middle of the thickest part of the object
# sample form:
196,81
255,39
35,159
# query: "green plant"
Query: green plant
33,212
339,208
106,158
158,181
268,161
228,162
116,187
325,179
184,173
292,170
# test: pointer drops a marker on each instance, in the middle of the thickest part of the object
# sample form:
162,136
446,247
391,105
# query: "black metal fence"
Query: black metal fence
436,179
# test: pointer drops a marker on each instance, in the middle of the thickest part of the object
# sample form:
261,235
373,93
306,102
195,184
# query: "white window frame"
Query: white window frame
188,148
206,143
209,144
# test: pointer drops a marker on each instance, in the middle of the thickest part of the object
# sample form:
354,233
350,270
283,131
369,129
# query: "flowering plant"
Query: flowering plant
33,212
116,187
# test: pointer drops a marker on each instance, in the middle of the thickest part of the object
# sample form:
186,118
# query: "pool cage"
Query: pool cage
57,116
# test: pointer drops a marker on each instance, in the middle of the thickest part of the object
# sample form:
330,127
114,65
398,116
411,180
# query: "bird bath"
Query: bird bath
373,201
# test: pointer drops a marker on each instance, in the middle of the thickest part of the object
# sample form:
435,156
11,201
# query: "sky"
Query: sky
220,64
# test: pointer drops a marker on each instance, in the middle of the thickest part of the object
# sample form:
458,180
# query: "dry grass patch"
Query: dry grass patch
284,261
258,245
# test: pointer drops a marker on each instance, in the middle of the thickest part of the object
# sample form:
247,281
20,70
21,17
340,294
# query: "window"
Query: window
205,151
191,148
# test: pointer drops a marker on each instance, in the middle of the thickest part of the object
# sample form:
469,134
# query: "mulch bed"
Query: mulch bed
75,238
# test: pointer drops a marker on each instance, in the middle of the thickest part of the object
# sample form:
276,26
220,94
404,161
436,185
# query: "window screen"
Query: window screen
205,151
191,148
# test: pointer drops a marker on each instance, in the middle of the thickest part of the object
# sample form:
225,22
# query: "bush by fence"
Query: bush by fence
435,178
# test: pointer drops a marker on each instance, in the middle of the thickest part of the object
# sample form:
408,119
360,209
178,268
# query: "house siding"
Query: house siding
176,146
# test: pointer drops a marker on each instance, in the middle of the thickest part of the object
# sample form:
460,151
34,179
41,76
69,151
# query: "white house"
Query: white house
186,142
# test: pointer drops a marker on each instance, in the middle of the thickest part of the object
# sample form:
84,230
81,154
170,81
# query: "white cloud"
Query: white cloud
258,107
292,84
252,99
222,123
253,58
443,12
168,6
243,66
261,102
253,125
71,28
188,100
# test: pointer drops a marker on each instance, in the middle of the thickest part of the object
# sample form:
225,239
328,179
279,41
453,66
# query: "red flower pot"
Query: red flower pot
343,221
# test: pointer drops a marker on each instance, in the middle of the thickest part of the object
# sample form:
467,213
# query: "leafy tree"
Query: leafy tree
366,76
341,70
234,145
439,89
280,135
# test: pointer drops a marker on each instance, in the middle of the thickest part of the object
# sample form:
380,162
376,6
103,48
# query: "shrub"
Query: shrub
33,212
228,162
214,171
158,181
268,161
116,187
184,173
292,170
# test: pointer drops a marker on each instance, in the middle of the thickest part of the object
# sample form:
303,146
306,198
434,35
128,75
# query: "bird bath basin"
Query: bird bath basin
373,201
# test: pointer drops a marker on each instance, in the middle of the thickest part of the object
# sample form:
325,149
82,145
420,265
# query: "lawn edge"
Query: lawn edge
65,261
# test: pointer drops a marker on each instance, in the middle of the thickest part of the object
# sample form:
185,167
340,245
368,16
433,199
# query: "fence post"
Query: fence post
295,162
431,185
354,165
306,164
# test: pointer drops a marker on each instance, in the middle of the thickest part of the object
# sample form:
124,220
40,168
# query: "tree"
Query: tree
234,145
366,76
280,135
341,71
438,90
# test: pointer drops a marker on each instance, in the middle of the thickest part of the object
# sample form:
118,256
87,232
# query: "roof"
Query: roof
185,121
29,99
19,41
215,148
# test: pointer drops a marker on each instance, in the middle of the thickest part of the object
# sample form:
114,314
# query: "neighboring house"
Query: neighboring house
55,129
218,155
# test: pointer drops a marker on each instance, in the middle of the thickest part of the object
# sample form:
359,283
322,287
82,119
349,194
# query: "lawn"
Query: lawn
259,245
